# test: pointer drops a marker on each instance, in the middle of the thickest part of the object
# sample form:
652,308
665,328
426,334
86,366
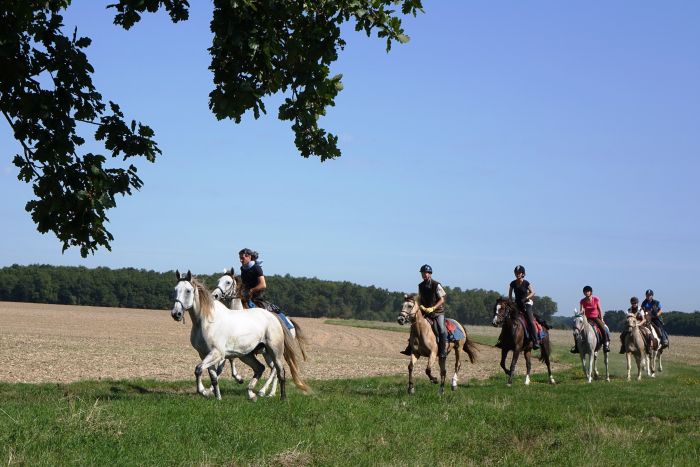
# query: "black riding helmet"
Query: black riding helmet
634,301
426,268
518,269
649,292
588,288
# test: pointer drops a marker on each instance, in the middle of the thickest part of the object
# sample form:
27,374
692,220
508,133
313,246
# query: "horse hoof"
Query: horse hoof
239,381
551,381
261,393
454,387
411,391
434,381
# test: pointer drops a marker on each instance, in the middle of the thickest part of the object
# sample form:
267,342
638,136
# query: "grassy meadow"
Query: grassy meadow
368,421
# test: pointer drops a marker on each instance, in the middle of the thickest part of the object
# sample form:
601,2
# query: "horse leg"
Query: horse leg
513,362
528,365
628,357
458,363
271,380
234,372
429,368
504,354
411,365
258,369
214,358
442,362
605,359
545,349
638,358
658,356
652,363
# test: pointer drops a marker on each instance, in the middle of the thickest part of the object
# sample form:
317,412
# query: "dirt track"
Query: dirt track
54,343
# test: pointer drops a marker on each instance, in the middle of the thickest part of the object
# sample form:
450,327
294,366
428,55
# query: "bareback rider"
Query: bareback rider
523,300
653,308
253,279
432,299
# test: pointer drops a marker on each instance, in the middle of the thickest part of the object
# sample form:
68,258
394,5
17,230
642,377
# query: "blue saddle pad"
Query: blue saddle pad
286,321
455,334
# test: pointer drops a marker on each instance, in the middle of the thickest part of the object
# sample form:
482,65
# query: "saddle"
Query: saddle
540,326
599,333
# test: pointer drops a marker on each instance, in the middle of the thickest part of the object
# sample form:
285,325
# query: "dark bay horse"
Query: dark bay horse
506,314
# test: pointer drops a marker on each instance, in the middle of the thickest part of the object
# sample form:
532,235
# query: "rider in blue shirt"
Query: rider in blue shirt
653,307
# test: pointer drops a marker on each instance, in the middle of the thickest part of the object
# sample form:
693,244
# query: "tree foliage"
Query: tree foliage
260,48
297,296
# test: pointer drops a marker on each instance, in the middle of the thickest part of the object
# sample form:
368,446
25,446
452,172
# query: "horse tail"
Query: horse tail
469,347
545,349
301,338
290,356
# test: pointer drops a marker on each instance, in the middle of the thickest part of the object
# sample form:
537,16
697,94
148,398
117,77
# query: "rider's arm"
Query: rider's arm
530,292
261,285
510,293
600,312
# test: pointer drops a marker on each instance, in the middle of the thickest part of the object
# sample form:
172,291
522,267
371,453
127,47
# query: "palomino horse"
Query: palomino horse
219,333
506,315
227,290
634,347
425,344
588,343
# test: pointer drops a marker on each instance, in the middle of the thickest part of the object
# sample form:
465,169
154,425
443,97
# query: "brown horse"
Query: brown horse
512,339
424,344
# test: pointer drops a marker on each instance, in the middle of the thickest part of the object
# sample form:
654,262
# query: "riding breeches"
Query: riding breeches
439,327
531,322
601,325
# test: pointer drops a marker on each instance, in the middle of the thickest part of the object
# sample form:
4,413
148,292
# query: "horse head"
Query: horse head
632,322
577,324
501,310
408,310
227,287
183,295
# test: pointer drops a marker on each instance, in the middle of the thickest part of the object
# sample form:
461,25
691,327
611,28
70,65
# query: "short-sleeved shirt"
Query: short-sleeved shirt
639,313
520,290
590,307
250,276
651,306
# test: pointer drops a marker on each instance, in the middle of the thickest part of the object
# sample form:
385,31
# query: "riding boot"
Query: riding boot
442,348
408,350
574,349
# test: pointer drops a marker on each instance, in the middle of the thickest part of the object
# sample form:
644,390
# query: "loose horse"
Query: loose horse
588,343
219,333
634,347
227,290
425,344
506,315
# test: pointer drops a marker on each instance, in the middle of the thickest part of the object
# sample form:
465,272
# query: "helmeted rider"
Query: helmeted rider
523,300
653,308
590,306
635,311
432,299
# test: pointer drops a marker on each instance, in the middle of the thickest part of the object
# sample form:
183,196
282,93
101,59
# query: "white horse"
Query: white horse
588,344
227,289
219,333
634,347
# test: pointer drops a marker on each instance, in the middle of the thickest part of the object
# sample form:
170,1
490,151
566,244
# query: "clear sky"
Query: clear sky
564,136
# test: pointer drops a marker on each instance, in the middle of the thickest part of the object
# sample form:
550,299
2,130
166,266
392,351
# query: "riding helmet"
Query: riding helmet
588,288
426,268
634,301
649,292
518,269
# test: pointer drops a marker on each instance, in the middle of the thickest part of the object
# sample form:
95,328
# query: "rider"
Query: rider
590,305
653,307
635,311
252,277
432,299
523,300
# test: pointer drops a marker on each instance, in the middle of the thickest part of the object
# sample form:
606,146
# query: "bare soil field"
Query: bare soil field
42,343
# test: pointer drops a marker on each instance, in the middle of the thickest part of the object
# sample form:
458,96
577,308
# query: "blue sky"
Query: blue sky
563,136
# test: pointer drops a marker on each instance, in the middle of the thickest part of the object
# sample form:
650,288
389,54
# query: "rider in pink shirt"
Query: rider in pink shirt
590,306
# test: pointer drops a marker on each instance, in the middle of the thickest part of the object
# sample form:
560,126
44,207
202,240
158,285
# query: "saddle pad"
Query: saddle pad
454,332
285,320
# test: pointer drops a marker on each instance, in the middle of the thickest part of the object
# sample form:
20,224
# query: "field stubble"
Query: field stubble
42,343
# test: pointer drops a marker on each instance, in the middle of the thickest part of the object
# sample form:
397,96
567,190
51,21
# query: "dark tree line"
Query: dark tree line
310,297
675,322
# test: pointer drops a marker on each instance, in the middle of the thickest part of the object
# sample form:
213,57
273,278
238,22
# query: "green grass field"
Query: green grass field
358,422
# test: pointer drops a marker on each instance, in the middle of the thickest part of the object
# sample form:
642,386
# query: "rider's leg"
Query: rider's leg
442,335
408,350
604,329
622,341
532,327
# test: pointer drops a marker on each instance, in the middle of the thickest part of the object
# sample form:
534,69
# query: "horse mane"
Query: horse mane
206,302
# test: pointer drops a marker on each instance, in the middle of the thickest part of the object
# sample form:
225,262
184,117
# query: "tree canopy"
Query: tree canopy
260,48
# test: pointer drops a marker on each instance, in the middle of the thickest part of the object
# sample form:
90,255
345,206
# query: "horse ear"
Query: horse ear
232,272
189,276
177,274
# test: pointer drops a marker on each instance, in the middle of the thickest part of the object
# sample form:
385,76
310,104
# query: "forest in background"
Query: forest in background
296,296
